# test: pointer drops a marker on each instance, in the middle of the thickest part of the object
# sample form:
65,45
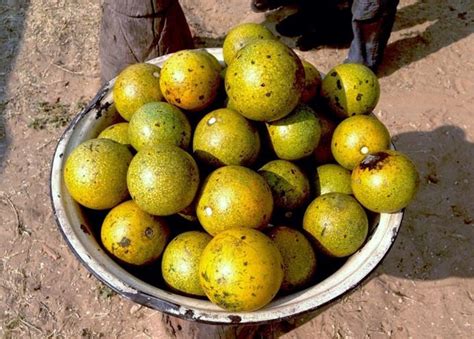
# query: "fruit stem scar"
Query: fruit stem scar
211,121
156,74
208,211
364,150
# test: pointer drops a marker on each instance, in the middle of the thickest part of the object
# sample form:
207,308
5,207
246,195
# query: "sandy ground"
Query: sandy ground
424,288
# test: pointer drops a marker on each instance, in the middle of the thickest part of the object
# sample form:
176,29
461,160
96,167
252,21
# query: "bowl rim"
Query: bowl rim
79,239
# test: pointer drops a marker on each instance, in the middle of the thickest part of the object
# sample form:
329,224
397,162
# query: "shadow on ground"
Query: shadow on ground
449,22
12,18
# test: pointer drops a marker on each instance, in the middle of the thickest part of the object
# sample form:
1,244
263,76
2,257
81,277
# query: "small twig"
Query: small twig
67,70
19,225
44,145
30,325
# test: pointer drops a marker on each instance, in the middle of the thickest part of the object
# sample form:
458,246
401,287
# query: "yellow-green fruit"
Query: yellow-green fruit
212,59
385,182
296,135
337,222
163,180
332,178
224,137
350,89
265,80
241,269
135,86
159,123
95,173
234,196
190,80
116,132
357,136
312,82
240,36
322,153
132,235
289,185
180,263
299,259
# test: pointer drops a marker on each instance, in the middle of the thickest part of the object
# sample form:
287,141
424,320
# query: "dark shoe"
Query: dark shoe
309,41
268,5
293,25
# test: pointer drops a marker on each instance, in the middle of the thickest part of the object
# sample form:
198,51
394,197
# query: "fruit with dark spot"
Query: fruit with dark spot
282,74
357,136
385,182
337,222
188,75
135,86
132,235
95,173
180,263
116,132
159,123
241,274
350,89
241,35
224,137
163,180
234,196
296,135
332,178
312,82
299,258
290,186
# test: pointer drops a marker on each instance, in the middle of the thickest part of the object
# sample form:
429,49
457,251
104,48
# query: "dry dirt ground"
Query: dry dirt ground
424,288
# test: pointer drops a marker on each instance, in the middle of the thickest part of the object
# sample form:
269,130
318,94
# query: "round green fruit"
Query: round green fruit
265,80
163,180
385,182
224,137
350,89
338,224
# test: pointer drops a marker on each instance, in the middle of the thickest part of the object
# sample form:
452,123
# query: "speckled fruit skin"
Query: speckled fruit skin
241,35
265,80
116,132
299,258
234,196
180,263
95,173
219,68
357,136
241,269
224,137
290,186
135,86
132,235
158,123
163,180
189,80
337,222
332,178
312,82
385,182
350,89
297,135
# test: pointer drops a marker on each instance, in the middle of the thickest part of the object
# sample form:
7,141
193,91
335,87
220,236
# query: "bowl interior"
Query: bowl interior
77,225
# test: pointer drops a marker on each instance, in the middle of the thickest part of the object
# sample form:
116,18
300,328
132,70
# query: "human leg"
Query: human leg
135,31
372,23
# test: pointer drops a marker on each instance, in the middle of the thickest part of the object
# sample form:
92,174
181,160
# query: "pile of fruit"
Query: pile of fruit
271,165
